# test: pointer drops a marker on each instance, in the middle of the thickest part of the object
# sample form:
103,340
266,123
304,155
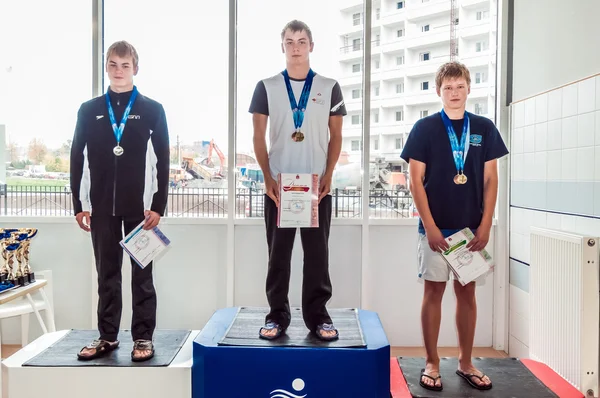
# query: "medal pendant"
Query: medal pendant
460,179
118,150
298,136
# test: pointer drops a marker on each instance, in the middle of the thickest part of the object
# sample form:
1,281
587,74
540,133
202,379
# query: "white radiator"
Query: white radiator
564,319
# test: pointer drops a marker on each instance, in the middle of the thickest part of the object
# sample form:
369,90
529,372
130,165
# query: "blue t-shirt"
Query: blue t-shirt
453,206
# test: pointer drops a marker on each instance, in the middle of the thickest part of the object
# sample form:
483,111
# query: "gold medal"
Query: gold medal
298,136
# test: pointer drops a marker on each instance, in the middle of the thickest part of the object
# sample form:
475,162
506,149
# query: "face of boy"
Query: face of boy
454,92
296,46
120,72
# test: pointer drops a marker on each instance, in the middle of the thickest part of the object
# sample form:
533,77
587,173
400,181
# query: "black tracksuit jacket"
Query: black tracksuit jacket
126,185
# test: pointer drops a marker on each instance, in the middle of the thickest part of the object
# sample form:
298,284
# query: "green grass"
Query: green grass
35,182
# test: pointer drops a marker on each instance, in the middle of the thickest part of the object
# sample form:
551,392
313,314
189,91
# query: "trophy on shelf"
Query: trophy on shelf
11,245
26,234
5,235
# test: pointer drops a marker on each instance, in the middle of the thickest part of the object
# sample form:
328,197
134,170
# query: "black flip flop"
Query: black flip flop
102,348
327,327
271,326
467,377
428,387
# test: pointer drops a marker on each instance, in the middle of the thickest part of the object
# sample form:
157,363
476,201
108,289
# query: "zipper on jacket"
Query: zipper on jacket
115,189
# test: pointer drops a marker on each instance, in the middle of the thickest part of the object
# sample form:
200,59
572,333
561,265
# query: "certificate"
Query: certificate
465,264
145,246
298,201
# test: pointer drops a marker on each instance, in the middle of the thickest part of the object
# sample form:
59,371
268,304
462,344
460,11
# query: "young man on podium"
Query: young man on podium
452,157
119,178
306,111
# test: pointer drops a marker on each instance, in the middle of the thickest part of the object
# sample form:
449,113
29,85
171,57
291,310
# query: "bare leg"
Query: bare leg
466,320
431,317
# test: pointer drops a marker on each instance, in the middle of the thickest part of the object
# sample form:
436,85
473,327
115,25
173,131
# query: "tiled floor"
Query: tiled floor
483,352
9,349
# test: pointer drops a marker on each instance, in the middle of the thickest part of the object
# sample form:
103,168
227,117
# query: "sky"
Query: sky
45,74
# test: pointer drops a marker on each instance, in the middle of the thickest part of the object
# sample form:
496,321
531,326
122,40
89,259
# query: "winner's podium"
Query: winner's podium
231,361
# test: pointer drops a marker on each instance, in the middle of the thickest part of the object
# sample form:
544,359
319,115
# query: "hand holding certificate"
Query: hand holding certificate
298,201
145,246
465,264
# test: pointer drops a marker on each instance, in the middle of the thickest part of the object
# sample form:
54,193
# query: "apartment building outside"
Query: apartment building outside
410,40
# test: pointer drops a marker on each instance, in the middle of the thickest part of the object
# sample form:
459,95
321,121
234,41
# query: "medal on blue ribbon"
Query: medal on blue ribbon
459,150
299,108
118,129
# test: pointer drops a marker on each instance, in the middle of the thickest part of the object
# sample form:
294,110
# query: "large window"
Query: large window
183,65
45,75
330,58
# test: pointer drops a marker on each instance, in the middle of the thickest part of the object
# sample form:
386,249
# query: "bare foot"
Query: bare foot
142,349
327,331
270,330
97,346
434,372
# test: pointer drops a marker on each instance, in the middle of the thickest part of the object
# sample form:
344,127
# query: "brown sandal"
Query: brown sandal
102,348
142,345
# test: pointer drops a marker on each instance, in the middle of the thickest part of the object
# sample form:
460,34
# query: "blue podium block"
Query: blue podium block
290,372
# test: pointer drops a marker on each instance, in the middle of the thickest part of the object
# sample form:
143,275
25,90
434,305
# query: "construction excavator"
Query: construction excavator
206,168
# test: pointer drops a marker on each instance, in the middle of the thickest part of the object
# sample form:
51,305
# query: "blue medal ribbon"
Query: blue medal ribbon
299,108
459,150
118,130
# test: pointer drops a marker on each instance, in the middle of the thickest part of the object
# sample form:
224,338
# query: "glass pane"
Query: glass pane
184,66
337,47
45,75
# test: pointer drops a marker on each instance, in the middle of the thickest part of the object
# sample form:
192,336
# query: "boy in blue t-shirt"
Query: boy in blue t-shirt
452,158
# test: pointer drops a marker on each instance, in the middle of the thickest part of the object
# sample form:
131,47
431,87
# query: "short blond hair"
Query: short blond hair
123,49
452,70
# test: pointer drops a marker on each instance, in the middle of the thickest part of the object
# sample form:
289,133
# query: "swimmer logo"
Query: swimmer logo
297,385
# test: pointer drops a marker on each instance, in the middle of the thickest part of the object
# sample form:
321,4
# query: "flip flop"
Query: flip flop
142,345
434,379
271,326
102,348
467,377
327,327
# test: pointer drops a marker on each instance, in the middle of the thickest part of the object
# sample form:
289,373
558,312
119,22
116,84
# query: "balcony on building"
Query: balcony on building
418,11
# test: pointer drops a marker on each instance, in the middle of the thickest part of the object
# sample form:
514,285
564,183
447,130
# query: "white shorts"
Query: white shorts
432,266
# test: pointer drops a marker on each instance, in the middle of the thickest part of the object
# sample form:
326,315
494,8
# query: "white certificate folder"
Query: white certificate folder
145,246
298,201
466,265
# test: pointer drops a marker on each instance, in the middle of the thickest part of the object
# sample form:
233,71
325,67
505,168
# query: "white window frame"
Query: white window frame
400,60
356,19
400,88
425,86
399,5
422,56
425,28
353,69
400,33
355,118
423,113
401,114
398,143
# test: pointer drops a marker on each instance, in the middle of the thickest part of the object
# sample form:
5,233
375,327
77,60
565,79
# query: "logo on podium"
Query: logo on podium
298,385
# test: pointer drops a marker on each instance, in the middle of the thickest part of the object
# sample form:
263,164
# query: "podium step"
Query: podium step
18,381
226,371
